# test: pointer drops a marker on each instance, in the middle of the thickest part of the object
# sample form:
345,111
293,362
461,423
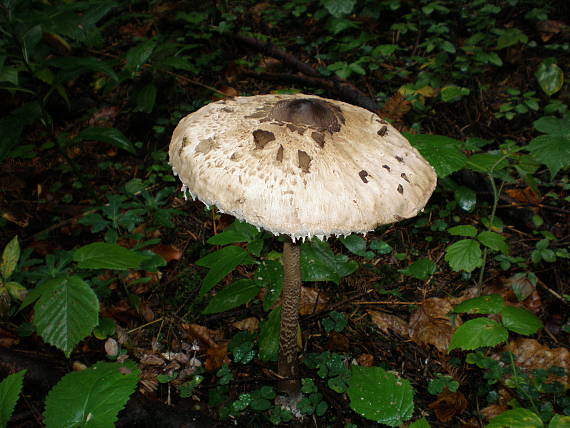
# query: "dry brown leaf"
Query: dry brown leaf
388,322
549,28
448,405
493,410
395,108
312,301
504,289
529,354
338,342
204,335
167,252
430,325
217,356
151,360
524,196
365,360
250,324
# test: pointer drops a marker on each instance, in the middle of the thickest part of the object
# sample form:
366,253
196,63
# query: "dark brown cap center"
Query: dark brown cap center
308,112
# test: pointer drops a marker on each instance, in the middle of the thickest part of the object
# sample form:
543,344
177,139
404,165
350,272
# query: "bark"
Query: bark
288,367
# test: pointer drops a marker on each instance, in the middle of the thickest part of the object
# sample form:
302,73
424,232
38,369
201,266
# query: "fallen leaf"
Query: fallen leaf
430,324
448,405
493,410
365,360
208,338
549,28
250,324
388,322
395,108
167,252
151,360
312,301
217,356
338,342
529,354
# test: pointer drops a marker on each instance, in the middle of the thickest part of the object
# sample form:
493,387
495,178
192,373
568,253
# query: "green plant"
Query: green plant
517,103
10,389
10,289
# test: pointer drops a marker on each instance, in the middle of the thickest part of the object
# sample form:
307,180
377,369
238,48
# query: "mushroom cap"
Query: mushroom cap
300,165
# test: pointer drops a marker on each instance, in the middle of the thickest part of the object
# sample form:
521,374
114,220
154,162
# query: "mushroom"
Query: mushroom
301,166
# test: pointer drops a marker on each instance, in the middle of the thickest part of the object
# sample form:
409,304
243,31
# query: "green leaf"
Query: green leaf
221,263
463,230
102,255
420,269
453,93
550,77
319,263
487,162
73,67
559,421
339,8
494,241
491,304
179,63
108,135
66,312
478,333
420,423
10,389
10,257
356,245
380,395
16,290
237,232
443,153
516,418
520,320
511,37
91,397
146,98
464,255
465,197
381,247
137,56
232,296
269,336
552,149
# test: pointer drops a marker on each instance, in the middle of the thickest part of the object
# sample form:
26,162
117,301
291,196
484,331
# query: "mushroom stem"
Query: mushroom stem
288,367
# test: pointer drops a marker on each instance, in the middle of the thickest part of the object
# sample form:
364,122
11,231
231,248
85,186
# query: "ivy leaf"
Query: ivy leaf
443,153
92,397
10,389
380,396
464,255
478,333
66,312
319,263
494,241
550,77
232,296
552,149
520,320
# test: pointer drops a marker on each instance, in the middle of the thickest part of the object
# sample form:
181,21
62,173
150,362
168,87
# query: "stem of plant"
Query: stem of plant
288,367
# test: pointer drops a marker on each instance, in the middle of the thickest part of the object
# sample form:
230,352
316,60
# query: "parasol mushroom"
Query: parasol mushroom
301,166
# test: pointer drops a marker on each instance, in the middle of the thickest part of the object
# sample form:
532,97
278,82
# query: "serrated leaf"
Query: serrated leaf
380,395
102,255
221,263
421,269
552,149
478,333
10,389
269,336
516,418
92,397
550,77
443,153
66,312
464,255
420,423
10,257
491,304
232,296
108,135
319,263
520,320
463,230
339,8
494,241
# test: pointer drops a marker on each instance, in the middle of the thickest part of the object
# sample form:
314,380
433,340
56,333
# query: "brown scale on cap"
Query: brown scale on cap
261,138
363,174
405,177
400,189
304,161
